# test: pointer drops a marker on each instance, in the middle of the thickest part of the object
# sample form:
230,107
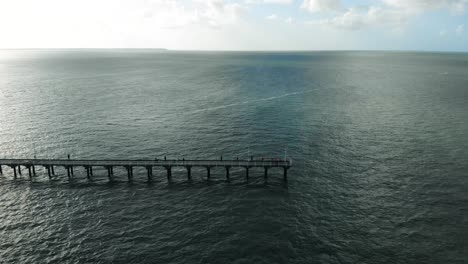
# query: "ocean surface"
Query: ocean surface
379,143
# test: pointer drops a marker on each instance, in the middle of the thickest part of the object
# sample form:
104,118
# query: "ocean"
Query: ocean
378,140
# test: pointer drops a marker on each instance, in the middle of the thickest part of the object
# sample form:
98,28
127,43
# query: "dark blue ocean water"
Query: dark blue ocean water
379,143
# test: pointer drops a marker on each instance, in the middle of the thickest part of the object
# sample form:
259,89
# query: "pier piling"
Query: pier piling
169,173
149,170
189,172
208,172
227,173
129,172
109,172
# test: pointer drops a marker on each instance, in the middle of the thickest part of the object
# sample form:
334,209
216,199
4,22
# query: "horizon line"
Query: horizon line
252,50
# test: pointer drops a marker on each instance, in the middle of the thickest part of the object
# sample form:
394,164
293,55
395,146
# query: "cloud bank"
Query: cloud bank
233,24
394,13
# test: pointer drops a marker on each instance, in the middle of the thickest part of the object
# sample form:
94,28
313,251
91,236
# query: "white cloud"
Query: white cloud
124,23
456,6
217,12
460,30
174,14
315,6
272,17
284,2
357,18
216,24
281,2
394,13
168,14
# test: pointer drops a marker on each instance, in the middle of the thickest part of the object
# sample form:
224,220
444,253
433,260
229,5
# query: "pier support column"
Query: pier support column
87,172
53,170
14,171
48,171
247,173
149,170
34,170
68,172
19,169
129,172
227,173
71,169
285,173
208,172
169,173
1,172
189,172
109,173
91,170
29,173
266,173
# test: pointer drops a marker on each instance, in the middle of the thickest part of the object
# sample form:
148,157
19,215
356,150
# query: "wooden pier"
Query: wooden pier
109,165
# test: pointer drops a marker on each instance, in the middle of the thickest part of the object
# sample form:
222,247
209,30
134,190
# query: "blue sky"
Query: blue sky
427,25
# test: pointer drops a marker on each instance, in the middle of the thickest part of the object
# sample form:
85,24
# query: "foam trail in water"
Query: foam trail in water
249,101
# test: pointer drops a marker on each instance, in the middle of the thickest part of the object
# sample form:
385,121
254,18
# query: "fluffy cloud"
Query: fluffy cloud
272,17
286,2
391,12
174,14
456,6
314,6
281,2
217,12
357,18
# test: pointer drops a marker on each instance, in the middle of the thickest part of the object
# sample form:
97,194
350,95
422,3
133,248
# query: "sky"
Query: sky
424,25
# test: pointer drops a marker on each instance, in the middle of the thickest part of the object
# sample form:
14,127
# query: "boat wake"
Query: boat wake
250,102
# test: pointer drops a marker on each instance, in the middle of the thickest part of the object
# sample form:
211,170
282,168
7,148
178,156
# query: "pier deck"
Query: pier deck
70,164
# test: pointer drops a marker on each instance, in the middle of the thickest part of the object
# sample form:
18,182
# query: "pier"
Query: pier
71,164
